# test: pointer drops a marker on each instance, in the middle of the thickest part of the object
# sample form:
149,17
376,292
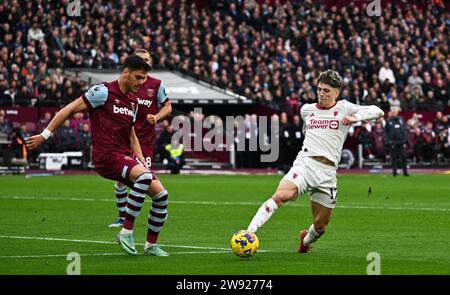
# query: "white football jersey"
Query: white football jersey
324,132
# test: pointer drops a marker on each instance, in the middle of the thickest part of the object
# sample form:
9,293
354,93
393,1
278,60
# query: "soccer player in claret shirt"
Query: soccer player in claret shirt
149,95
326,124
116,153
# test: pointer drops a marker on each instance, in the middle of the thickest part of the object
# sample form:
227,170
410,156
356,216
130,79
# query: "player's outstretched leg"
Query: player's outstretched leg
321,217
286,191
135,200
263,214
156,218
121,201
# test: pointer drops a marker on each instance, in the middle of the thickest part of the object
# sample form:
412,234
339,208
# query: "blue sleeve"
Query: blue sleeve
96,96
162,94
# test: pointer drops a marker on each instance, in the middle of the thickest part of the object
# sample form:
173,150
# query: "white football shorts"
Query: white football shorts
318,179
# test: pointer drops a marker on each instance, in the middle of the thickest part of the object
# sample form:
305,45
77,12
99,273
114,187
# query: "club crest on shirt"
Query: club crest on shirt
335,113
133,105
116,101
150,92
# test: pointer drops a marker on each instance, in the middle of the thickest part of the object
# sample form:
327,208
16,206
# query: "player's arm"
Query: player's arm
75,106
135,146
358,113
166,108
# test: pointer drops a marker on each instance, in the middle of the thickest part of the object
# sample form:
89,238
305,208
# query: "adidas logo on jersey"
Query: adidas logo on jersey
122,110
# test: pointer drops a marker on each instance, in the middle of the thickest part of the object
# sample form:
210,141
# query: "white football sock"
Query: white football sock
148,245
262,215
312,236
126,231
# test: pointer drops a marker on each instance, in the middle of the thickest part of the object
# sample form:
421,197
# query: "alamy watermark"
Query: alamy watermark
74,267
74,8
374,267
374,8
251,133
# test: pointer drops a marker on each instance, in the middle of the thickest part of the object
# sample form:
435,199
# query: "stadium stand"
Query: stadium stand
269,52
180,88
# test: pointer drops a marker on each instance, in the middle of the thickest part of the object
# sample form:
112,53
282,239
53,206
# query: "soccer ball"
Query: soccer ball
244,243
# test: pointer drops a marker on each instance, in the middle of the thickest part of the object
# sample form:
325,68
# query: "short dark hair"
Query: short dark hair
331,78
144,51
135,63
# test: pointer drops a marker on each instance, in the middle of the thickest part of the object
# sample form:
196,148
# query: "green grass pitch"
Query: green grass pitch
405,220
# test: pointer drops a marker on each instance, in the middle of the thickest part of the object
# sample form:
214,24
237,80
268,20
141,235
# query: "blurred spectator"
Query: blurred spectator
414,81
429,140
363,136
395,137
394,101
58,77
35,33
22,97
25,133
419,143
66,138
43,122
16,149
415,97
440,122
85,142
164,139
175,157
377,138
442,145
441,93
386,75
76,124
5,126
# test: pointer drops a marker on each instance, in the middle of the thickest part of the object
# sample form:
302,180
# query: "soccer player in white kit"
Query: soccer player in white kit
326,124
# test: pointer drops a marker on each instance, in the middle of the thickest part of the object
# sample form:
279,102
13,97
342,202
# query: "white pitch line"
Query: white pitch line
108,254
227,203
59,255
107,242
59,239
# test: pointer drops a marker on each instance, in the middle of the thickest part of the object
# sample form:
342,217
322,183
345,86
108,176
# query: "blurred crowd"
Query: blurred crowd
251,137
425,141
73,135
270,53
